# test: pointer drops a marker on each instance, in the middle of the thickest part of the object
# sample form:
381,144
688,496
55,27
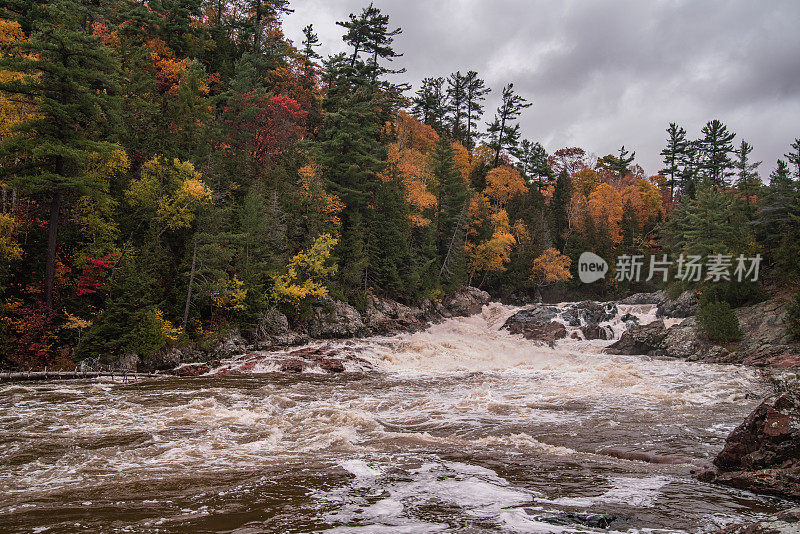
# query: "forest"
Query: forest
172,169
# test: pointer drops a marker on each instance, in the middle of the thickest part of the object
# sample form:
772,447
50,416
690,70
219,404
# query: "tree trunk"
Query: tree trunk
189,291
52,236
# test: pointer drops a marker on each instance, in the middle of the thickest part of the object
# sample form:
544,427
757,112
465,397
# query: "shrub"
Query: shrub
793,317
717,321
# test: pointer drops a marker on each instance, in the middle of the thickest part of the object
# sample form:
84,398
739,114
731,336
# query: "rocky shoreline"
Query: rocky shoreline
329,320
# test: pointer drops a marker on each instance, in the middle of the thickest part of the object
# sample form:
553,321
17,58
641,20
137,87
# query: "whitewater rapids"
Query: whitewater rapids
459,428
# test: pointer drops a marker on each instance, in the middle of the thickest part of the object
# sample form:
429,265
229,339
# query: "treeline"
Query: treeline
172,169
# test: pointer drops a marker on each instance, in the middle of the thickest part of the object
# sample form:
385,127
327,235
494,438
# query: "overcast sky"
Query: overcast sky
602,74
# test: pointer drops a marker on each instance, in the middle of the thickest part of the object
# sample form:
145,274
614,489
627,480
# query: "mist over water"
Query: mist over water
463,427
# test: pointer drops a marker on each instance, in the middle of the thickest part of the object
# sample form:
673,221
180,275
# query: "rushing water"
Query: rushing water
461,428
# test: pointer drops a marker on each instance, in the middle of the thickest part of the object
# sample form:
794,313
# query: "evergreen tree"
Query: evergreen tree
674,154
503,132
748,182
430,104
476,92
559,206
451,215
456,106
716,148
776,215
794,158
690,169
619,165
391,267
74,92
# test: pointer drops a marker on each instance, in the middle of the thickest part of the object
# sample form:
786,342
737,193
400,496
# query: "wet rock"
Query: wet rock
763,453
293,365
537,314
642,339
190,369
683,306
582,519
334,319
682,341
593,331
466,301
588,313
630,320
537,331
786,522
331,366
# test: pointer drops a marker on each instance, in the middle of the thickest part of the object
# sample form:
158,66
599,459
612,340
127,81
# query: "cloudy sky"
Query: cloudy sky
602,74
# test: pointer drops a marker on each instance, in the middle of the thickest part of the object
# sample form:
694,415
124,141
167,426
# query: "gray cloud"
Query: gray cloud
604,74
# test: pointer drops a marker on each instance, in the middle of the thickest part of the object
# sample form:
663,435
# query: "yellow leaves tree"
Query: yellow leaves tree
306,274
503,183
585,181
321,209
493,254
9,248
12,112
168,193
551,267
605,208
646,199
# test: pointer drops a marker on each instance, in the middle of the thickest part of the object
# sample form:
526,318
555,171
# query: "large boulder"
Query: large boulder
593,331
588,312
536,314
642,339
538,331
334,319
466,301
766,341
682,341
384,316
763,453
683,306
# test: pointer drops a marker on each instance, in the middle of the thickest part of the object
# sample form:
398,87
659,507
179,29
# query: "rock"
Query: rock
593,331
466,301
683,306
786,522
232,345
271,323
190,369
682,341
766,341
331,366
588,312
538,331
630,320
293,365
763,453
334,319
537,314
384,316
642,339
645,298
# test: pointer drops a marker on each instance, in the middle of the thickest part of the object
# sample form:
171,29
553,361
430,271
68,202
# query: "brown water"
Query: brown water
462,428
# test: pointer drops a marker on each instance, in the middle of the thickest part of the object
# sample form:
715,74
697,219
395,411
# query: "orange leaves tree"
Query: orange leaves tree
551,267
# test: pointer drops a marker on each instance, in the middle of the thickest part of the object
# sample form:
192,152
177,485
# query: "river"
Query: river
460,428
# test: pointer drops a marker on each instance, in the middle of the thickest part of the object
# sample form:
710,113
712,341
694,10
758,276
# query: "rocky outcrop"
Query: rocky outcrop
537,314
537,331
334,319
465,302
642,339
765,341
763,453
593,331
645,298
384,316
589,313
683,306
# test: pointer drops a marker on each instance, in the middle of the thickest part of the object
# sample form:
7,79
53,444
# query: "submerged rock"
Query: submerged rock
642,339
763,453
786,522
